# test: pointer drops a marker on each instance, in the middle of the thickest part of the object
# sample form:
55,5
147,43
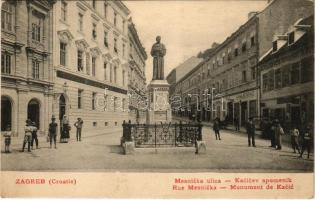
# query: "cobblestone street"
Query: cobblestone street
103,153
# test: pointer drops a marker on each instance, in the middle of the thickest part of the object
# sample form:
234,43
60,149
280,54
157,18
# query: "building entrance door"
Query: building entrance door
295,115
6,114
33,113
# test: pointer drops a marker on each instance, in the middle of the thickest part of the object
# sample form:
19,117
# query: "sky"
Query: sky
187,27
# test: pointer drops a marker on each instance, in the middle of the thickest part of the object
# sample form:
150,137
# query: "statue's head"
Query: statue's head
158,39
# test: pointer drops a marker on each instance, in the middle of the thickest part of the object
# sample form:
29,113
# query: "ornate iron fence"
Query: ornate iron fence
162,135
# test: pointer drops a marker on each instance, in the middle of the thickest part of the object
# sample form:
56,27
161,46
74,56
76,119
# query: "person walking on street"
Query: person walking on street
79,124
250,129
295,139
307,142
34,136
237,124
216,129
28,129
272,134
278,135
53,131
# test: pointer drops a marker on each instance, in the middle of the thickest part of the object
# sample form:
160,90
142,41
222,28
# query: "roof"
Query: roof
305,40
186,66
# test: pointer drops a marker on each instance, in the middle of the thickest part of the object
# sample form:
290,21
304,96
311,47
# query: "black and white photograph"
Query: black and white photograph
212,86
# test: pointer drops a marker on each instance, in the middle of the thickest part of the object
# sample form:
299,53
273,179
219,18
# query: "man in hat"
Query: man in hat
34,136
278,135
79,124
250,129
53,131
28,129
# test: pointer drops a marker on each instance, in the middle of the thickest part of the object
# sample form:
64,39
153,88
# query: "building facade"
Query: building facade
91,63
136,77
26,64
226,84
287,76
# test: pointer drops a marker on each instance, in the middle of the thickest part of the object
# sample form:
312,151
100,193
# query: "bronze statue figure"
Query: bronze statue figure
158,51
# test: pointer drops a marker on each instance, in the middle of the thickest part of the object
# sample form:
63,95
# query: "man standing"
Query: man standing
250,128
272,133
79,124
53,131
237,124
307,141
28,129
216,129
34,136
278,134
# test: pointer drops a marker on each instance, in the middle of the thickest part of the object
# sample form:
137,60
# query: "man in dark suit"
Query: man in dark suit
250,129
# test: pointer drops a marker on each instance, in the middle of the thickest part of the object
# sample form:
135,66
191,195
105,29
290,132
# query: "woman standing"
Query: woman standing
278,135
65,130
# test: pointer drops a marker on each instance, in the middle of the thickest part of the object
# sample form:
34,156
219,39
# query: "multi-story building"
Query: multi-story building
136,77
226,83
91,63
26,64
287,76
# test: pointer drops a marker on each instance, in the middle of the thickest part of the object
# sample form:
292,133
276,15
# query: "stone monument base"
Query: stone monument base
159,107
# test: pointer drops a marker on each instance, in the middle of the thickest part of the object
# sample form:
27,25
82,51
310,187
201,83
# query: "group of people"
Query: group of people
276,132
31,132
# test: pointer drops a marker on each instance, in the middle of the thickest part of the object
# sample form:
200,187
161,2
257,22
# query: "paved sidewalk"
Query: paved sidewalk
103,153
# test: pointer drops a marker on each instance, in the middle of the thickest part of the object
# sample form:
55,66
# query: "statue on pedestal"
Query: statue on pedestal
158,51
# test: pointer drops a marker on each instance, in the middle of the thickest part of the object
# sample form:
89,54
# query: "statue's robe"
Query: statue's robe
158,51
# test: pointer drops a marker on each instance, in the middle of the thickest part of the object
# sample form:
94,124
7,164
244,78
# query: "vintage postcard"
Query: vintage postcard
157,99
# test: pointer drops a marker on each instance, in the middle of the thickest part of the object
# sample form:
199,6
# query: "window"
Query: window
115,74
94,3
36,30
93,66
115,18
35,69
123,77
105,10
106,123
123,26
286,76
307,69
6,16
5,63
106,39
244,78
265,82
111,73
87,63
253,73
291,38
123,48
236,52
105,70
115,45
94,124
278,79
274,46
63,54
94,31
271,81
115,104
252,41
63,11
93,100
244,47
80,98
80,22
295,73
80,60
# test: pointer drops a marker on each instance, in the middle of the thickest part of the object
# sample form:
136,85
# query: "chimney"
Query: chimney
214,45
252,14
